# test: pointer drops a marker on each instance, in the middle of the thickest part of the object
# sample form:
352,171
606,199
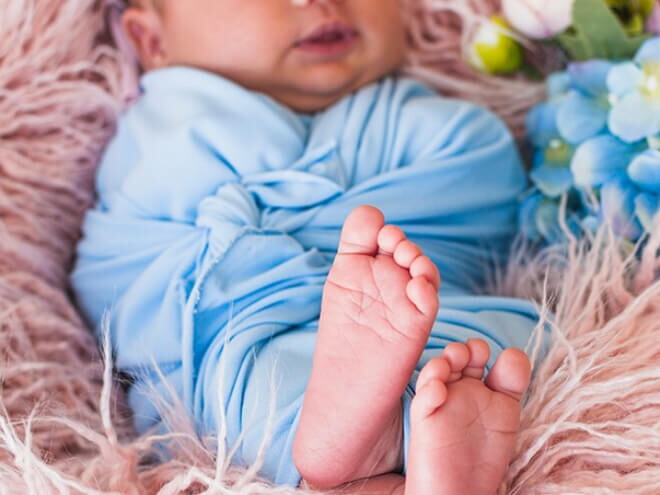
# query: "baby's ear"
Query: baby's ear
144,29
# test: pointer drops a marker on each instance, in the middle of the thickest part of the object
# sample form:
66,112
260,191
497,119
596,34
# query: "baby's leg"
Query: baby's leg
379,304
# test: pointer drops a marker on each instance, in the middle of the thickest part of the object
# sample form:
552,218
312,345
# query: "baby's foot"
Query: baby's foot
379,304
463,430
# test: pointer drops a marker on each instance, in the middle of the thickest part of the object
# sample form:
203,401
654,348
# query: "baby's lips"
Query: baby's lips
329,32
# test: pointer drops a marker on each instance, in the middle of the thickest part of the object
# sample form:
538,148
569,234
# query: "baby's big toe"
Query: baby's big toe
511,373
359,234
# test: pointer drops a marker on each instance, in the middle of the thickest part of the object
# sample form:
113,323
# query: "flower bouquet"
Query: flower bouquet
595,143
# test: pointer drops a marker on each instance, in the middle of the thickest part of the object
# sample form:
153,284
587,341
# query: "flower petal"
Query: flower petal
541,123
538,19
634,118
527,214
624,78
646,207
590,77
558,84
599,160
617,199
645,171
553,181
538,157
649,51
580,118
546,219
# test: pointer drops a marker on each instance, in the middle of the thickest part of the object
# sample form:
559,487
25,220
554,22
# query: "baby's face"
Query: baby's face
307,54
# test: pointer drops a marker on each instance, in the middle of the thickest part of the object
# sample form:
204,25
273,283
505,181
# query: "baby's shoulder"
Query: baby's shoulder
419,101
426,114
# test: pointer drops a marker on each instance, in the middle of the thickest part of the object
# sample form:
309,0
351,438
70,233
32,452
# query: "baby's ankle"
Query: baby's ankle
318,469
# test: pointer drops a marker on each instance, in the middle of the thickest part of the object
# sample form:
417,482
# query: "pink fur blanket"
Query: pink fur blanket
591,420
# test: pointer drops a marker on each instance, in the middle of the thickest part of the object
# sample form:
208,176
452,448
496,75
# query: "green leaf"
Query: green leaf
597,33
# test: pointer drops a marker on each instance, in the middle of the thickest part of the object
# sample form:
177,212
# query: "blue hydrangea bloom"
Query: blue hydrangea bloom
644,172
617,201
635,90
583,112
535,223
601,159
539,218
596,142
647,207
551,171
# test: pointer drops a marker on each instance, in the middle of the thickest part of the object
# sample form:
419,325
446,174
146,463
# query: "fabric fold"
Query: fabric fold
219,215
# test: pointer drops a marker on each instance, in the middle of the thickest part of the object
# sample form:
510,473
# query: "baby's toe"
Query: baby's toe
510,374
437,368
406,253
458,356
423,295
428,399
360,231
424,267
479,356
389,237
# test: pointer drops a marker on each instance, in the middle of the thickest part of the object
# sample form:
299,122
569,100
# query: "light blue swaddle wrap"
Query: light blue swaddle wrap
218,216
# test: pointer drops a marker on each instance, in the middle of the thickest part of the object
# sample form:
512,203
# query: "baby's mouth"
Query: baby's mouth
330,39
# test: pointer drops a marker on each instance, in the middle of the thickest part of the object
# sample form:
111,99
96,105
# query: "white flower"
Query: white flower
539,19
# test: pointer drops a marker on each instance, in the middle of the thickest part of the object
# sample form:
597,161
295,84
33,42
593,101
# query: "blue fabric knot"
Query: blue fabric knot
292,189
253,203
227,214
315,178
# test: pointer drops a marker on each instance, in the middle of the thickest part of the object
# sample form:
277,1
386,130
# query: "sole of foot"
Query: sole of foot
379,304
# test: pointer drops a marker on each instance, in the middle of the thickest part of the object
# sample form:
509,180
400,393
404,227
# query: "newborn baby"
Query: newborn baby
232,249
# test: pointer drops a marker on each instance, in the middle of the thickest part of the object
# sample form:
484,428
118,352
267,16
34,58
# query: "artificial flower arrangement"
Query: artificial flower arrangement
596,140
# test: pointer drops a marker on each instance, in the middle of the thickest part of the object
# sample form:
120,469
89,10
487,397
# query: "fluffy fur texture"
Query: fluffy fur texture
590,421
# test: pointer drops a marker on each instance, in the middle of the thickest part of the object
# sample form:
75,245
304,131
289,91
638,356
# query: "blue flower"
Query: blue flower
601,159
535,223
635,89
644,171
625,177
539,217
584,110
646,208
596,144
617,200
551,171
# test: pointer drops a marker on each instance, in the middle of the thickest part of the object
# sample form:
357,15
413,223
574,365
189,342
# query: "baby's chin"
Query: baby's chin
318,91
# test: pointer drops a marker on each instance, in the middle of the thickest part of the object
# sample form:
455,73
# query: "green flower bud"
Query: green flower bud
493,50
